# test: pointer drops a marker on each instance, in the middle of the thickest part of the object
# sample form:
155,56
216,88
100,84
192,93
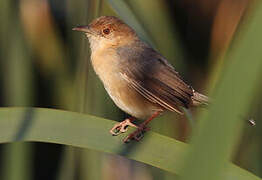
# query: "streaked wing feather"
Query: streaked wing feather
149,95
154,78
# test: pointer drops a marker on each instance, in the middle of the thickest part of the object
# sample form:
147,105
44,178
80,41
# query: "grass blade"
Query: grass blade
219,130
85,131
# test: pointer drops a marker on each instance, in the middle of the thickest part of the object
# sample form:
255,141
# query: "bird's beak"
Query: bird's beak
84,29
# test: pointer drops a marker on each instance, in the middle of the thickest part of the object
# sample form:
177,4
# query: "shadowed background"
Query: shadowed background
44,63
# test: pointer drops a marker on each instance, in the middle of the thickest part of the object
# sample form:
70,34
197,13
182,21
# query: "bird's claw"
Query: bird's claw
136,135
121,127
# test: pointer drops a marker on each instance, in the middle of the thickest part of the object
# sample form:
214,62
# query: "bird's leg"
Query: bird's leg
122,126
138,134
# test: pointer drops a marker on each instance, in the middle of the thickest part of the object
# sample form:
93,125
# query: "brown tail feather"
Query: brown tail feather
199,99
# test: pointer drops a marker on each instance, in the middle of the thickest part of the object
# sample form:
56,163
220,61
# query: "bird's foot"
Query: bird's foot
137,134
121,127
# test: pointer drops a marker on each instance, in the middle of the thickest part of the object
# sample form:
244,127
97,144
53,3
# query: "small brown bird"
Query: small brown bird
139,80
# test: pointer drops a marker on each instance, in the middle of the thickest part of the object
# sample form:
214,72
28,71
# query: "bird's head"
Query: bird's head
108,31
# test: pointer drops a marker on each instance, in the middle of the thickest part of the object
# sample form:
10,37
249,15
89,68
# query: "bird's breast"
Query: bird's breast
106,66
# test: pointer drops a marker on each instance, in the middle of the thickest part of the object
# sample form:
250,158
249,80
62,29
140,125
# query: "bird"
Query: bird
139,80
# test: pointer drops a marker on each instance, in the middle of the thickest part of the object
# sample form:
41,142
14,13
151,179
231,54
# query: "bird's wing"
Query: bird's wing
156,80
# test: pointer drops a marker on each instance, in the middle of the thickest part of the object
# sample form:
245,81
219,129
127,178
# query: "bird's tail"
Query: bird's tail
199,99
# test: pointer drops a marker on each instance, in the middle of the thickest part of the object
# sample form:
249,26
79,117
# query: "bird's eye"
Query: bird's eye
106,31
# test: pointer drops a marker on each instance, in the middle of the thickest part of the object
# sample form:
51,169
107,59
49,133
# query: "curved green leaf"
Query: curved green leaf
80,130
215,139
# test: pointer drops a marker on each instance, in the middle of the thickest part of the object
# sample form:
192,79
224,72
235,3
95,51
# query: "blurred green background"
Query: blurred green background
43,63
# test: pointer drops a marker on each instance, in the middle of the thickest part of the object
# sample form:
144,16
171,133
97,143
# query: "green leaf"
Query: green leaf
85,131
214,141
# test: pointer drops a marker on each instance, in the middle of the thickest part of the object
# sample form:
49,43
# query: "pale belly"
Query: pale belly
129,100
